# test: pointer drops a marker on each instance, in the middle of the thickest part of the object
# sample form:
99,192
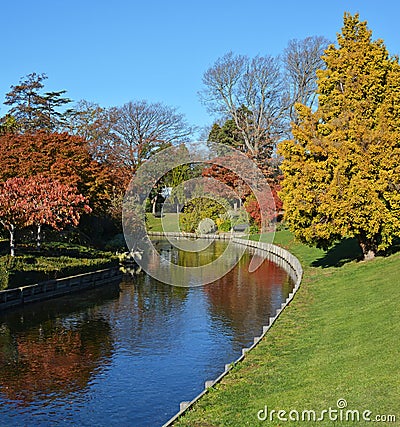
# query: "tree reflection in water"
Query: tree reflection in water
104,357
44,354
240,299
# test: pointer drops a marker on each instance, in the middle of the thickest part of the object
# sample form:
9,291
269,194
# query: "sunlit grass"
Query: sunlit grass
169,222
338,339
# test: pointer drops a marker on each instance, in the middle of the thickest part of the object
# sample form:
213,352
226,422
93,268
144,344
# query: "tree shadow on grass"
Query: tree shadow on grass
342,252
347,250
394,248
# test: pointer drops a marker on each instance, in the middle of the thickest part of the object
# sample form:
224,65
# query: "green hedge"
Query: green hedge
29,269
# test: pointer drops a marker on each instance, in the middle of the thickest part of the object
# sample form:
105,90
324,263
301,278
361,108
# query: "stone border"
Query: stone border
214,236
57,287
292,265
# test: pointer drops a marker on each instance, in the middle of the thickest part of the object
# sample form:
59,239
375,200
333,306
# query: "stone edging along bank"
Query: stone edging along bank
292,265
211,236
57,287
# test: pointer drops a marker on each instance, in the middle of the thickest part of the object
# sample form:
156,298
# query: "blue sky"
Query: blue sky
112,52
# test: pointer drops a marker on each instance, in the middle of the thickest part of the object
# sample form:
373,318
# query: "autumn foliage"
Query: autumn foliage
61,157
342,169
39,201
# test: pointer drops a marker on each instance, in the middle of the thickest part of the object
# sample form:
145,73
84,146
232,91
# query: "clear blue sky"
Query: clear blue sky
114,51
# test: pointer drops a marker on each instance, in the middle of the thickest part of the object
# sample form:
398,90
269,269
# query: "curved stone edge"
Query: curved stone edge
292,265
16,297
212,236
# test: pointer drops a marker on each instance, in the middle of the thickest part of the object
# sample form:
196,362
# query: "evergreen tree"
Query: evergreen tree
342,169
33,110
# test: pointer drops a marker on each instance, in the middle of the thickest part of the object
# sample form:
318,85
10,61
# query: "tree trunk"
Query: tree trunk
12,244
39,237
368,248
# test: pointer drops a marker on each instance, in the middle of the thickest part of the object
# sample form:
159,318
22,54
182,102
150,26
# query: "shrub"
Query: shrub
224,225
198,209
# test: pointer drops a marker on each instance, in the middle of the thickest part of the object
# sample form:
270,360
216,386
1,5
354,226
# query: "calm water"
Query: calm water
129,353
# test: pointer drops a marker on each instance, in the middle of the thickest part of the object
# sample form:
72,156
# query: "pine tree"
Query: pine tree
342,169
33,110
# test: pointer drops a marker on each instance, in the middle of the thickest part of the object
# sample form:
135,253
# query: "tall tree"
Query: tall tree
62,157
94,124
301,60
32,109
248,91
342,168
143,128
227,134
50,118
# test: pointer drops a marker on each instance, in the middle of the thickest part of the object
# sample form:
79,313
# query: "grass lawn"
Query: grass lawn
169,222
338,339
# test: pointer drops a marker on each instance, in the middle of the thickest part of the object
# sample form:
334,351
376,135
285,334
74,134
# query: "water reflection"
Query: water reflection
240,299
49,350
141,315
128,354
193,267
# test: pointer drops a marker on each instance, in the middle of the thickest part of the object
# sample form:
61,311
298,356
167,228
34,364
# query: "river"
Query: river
128,353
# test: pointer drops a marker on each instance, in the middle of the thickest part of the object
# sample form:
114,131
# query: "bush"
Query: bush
63,260
4,272
254,229
189,221
8,265
224,225
198,209
117,243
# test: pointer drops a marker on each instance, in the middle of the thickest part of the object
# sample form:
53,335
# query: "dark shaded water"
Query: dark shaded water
128,354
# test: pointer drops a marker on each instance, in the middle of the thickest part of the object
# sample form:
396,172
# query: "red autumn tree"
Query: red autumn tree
53,203
38,201
61,157
229,178
14,208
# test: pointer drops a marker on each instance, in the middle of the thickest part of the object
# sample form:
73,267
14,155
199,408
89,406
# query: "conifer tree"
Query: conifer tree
342,167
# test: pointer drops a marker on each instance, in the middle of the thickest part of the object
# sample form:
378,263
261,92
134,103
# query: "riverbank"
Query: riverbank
338,339
56,260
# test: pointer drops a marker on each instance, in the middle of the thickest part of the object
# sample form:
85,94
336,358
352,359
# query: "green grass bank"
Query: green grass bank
338,339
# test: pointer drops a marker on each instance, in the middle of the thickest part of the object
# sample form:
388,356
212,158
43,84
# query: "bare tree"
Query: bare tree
301,59
94,124
142,128
247,90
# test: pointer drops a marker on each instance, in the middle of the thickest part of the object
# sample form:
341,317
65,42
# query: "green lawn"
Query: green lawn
169,222
338,339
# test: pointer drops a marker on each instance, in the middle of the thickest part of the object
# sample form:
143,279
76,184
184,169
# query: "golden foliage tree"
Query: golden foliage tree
342,167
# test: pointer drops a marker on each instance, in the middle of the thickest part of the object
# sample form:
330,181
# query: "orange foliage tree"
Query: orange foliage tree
62,157
37,201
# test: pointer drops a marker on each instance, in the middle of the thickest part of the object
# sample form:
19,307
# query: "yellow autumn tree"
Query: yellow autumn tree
342,167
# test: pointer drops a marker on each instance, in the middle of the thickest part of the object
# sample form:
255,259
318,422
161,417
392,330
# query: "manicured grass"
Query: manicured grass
169,222
338,339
